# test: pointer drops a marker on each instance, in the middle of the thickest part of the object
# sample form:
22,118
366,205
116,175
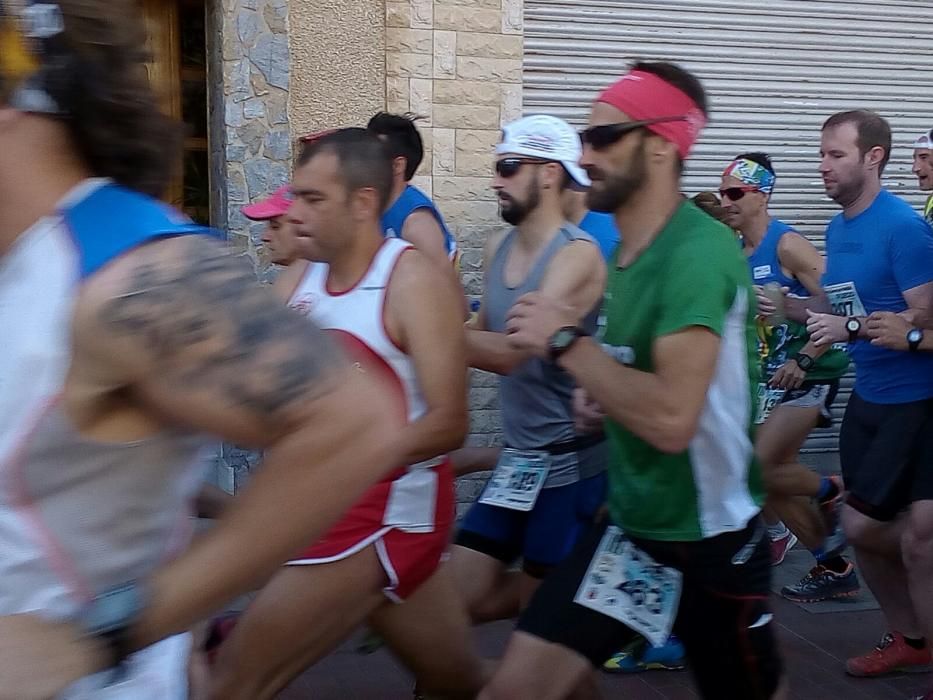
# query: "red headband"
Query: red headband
644,95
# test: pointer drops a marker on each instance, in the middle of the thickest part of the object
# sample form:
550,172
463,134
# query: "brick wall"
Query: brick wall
458,63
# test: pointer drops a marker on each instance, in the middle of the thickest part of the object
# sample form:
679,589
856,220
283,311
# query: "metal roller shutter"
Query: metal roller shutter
774,72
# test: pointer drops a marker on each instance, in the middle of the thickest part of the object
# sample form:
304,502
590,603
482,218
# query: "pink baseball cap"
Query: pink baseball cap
276,204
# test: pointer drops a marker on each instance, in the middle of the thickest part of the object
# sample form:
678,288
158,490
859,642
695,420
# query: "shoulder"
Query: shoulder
494,242
703,248
579,245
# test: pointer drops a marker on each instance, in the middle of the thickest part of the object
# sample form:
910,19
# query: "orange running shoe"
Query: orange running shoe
892,655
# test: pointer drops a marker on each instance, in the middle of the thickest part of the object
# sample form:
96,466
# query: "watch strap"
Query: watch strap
914,345
853,334
555,351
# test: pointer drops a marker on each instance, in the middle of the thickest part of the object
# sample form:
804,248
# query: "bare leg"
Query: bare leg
299,617
533,669
430,633
918,558
878,553
478,576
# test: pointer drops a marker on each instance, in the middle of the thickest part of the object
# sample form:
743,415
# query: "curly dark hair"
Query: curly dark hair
98,78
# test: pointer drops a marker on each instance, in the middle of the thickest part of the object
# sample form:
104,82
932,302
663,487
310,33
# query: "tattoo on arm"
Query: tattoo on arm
207,324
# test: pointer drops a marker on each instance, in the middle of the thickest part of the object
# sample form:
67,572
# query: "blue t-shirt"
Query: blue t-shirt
884,251
602,227
412,199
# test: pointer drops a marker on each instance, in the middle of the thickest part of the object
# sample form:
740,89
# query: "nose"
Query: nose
586,156
824,165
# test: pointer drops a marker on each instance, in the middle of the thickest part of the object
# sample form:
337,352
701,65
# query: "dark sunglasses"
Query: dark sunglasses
736,193
603,136
507,167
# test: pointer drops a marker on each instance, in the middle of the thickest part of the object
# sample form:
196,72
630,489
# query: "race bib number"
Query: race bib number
626,584
768,398
517,480
845,300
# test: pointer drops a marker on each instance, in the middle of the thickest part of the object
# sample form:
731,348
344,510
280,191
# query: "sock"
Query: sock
828,490
776,532
836,564
916,643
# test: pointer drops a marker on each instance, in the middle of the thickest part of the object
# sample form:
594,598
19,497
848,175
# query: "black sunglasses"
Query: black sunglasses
603,136
736,193
507,167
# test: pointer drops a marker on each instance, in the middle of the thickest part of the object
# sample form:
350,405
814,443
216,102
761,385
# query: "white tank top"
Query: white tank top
357,317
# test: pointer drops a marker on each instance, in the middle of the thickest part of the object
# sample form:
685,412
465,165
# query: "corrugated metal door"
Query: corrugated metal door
774,72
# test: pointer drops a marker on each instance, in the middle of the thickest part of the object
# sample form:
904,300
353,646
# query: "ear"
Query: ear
553,176
365,204
659,149
874,156
399,164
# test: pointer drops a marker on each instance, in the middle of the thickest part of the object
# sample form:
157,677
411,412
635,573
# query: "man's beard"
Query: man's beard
514,212
616,189
847,193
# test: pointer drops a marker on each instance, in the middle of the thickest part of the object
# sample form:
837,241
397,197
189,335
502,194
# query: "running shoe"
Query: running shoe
892,655
823,584
927,696
641,656
781,546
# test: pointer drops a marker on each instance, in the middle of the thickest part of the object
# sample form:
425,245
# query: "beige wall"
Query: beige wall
337,50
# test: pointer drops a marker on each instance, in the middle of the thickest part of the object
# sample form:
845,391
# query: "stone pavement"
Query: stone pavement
814,645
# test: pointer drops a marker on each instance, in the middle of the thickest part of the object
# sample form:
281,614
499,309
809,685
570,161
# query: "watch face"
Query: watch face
914,335
562,337
852,325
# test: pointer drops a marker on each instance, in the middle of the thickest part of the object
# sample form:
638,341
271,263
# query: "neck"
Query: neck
863,201
28,194
397,188
348,267
754,231
577,211
644,216
539,226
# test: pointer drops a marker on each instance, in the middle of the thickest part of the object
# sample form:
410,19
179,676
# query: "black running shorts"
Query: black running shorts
724,618
886,457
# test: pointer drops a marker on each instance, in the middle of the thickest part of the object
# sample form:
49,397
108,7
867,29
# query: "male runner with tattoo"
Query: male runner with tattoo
127,333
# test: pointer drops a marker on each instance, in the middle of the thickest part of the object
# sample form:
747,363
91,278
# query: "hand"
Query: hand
533,320
917,318
825,329
788,376
40,659
888,330
587,414
766,307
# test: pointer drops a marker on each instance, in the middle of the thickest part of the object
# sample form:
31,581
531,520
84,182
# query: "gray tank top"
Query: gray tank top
536,398
96,514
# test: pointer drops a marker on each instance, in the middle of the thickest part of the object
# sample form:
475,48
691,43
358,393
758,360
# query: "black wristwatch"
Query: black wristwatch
562,340
110,617
914,338
804,361
853,325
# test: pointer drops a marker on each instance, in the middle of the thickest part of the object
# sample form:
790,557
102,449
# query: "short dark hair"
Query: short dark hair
763,159
401,138
362,160
873,130
680,78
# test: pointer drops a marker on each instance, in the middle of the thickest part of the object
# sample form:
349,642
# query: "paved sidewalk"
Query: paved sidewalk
815,647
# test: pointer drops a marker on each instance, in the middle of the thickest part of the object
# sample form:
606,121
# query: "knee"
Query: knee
860,530
917,544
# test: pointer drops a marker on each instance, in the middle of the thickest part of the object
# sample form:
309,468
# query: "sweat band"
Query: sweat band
752,174
644,95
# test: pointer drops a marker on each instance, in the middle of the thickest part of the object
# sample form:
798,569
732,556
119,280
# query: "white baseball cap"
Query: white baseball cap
925,140
548,138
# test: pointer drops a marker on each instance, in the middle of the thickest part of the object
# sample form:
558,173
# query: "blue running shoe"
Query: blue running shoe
641,656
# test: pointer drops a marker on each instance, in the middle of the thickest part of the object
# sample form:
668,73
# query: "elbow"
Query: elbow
673,434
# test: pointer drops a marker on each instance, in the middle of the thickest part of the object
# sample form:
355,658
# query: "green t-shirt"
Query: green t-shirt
777,344
692,274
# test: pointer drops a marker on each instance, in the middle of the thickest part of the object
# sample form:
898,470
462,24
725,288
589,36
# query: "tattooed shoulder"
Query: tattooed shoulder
200,318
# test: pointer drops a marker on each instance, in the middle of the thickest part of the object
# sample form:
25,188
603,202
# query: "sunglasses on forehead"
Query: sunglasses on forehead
605,135
508,167
734,194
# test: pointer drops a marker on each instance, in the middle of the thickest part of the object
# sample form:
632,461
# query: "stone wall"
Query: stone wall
253,60
458,64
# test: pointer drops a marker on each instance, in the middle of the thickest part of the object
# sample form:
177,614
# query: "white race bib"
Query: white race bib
626,584
517,480
845,300
761,271
768,398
